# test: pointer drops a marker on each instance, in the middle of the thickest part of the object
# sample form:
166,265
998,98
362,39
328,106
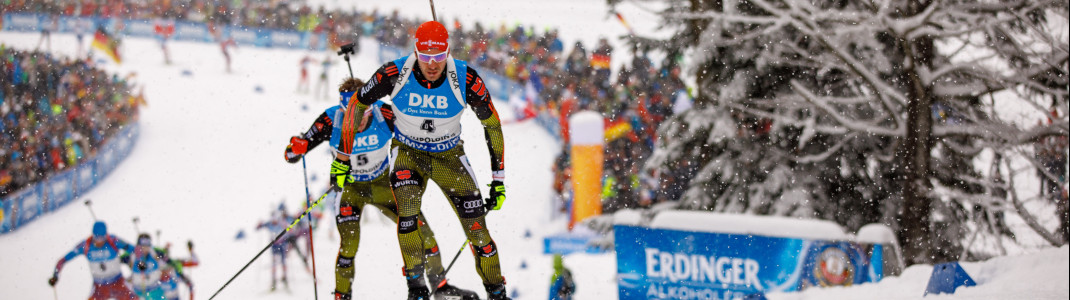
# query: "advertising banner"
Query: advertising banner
673,264
183,30
61,188
22,22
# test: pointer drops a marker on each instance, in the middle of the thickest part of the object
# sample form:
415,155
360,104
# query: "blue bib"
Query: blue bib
429,119
370,152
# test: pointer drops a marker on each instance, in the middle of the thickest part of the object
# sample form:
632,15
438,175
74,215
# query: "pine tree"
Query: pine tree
873,111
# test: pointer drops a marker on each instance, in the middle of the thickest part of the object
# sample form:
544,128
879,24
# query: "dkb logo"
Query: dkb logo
366,141
428,101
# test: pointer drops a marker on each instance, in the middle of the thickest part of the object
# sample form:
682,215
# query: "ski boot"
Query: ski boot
340,296
496,291
446,291
417,288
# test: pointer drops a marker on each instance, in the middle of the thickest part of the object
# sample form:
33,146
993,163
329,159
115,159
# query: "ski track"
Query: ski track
209,163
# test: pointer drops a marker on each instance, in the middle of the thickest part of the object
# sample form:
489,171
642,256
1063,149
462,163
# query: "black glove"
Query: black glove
339,174
189,245
52,281
497,195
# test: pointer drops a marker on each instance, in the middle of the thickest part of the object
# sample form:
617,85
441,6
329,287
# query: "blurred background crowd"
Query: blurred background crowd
55,113
634,95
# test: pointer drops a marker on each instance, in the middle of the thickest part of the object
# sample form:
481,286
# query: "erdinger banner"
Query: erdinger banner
673,264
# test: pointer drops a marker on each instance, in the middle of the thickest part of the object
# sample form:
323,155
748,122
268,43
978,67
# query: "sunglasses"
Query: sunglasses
430,58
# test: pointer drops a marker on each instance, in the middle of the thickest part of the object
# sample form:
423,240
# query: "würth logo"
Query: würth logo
404,174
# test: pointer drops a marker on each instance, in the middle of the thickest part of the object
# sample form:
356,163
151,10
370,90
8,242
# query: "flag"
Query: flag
626,25
104,42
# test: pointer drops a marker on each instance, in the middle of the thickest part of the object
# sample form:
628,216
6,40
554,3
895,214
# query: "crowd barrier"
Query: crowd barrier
29,203
674,261
183,30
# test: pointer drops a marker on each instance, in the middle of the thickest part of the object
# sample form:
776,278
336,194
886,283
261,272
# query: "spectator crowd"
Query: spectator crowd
635,98
54,114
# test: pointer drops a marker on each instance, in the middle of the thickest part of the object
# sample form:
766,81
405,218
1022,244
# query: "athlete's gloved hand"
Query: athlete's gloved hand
339,174
497,195
297,147
189,245
52,281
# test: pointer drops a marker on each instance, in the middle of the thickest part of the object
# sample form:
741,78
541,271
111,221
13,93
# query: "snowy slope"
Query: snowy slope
209,163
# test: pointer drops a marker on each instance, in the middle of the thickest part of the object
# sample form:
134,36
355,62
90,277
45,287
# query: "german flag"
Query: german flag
105,42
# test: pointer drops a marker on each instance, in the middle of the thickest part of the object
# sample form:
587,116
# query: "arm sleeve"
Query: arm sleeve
388,114
380,85
79,249
319,132
124,245
479,100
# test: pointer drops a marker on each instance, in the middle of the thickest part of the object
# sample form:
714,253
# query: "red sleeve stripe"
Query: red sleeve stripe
348,126
479,88
387,113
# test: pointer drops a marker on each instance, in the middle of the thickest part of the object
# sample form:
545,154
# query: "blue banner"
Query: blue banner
61,188
569,243
183,30
672,264
22,22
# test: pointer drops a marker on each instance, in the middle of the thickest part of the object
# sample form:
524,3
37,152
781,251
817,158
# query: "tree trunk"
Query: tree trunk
915,227
696,27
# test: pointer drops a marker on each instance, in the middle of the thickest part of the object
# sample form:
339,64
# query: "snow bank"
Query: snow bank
1044,274
748,224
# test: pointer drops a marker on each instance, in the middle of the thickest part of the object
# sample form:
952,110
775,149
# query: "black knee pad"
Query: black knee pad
400,178
488,250
347,213
407,224
469,206
344,262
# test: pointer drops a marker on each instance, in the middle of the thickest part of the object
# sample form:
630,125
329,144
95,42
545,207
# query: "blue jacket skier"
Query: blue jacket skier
102,250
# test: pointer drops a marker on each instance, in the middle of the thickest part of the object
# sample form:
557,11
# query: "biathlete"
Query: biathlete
430,91
102,250
359,172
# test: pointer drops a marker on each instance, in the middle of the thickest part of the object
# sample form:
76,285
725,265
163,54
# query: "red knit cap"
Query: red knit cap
432,34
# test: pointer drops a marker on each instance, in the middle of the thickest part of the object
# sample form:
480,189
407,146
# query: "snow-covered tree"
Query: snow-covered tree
875,111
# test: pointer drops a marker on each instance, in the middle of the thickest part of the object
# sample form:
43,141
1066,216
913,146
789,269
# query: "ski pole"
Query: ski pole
89,204
455,256
345,51
433,15
136,229
311,245
55,295
349,65
277,237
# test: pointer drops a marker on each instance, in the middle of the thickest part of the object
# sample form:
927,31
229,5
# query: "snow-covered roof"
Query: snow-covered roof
748,224
876,234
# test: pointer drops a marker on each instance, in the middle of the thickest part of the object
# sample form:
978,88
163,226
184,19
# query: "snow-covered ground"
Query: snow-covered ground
209,163
1043,274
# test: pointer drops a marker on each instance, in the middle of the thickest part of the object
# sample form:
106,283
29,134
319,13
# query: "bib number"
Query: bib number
361,160
428,125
